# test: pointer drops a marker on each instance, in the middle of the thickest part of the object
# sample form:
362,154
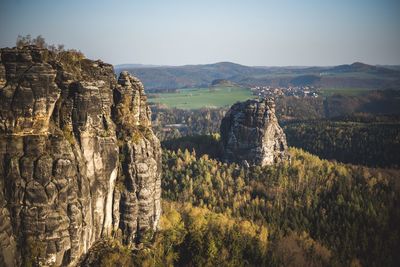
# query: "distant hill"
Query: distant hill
359,75
365,68
128,66
223,83
188,76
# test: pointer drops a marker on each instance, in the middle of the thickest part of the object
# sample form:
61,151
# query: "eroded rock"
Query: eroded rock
78,158
250,134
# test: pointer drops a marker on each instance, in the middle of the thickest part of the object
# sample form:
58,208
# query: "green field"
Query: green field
344,91
196,98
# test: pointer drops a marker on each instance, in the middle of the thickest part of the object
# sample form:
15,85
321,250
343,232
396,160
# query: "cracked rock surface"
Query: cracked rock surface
250,134
78,158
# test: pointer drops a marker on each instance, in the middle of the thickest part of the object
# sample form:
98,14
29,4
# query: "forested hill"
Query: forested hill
358,75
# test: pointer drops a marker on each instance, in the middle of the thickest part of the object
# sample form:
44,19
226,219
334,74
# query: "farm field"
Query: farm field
195,98
344,91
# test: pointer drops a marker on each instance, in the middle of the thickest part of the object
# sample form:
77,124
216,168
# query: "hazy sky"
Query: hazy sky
177,32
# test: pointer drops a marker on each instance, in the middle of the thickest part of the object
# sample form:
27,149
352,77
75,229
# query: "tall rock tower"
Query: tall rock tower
250,134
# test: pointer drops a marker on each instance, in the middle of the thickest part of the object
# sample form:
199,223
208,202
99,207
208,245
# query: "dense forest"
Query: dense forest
191,236
366,143
350,212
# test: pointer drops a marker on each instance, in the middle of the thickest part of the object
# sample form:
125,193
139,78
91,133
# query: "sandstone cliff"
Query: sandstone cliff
78,158
250,134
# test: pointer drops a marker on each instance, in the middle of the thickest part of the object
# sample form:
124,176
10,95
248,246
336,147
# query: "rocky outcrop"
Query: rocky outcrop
250,134
140,158
78,158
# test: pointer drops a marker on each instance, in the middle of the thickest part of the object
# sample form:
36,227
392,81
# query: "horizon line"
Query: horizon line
150,65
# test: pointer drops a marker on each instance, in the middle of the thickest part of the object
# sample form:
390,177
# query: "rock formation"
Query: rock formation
250,134
78,158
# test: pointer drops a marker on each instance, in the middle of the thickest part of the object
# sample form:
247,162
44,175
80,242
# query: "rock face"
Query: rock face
78,158
250,134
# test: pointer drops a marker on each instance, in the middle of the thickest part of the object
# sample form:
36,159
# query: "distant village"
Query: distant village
296,91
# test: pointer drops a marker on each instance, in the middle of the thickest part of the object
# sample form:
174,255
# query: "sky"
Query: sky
179,32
